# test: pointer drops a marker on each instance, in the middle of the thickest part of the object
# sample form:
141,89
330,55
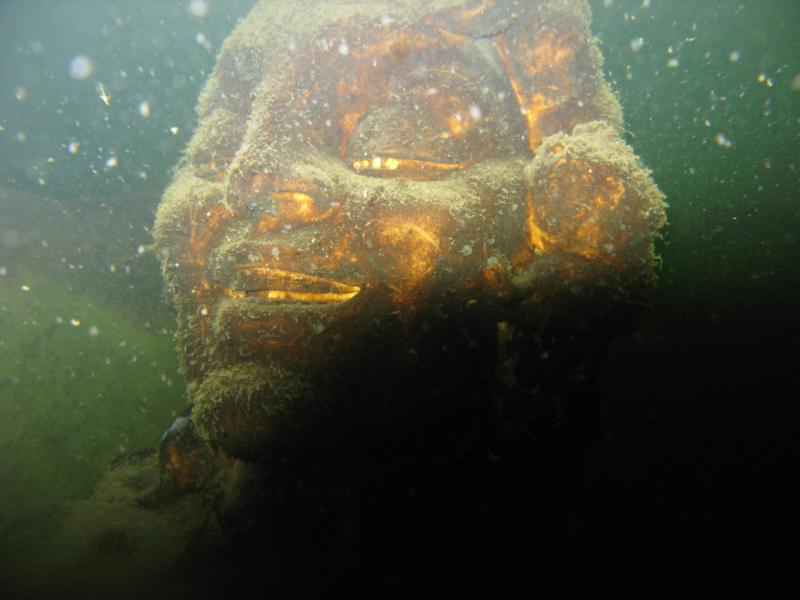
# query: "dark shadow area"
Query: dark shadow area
695,479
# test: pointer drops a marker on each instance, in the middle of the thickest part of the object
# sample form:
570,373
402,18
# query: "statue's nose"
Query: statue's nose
407,247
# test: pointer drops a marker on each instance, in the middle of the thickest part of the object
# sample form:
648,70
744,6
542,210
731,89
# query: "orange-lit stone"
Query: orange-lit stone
453,167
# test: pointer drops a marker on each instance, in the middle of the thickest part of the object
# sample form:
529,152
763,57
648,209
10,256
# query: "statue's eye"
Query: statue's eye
300,208
380,166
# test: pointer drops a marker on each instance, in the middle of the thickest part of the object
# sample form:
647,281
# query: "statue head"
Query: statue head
379,196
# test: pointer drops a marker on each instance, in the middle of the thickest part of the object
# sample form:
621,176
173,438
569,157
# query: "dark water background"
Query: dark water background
697,472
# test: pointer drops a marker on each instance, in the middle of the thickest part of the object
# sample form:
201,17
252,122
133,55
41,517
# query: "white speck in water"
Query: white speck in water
343,48
75,322
140,250
112,162
608,3
3,271
94,331
645,3
144,108
25,288
475,111
466,250
174,130
673,63
21,136
723,141
73,147
386,20
21,93
637,44
198,8
734,56
201,39
81,67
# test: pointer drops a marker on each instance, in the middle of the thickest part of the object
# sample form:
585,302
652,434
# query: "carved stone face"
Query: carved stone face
367,185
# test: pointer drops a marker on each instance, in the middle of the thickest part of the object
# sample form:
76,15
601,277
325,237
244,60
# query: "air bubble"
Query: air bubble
81,67
198,9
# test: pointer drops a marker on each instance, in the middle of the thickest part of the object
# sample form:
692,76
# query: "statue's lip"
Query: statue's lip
282,286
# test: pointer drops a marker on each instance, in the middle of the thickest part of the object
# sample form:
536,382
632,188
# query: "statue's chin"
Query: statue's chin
245,408
367,395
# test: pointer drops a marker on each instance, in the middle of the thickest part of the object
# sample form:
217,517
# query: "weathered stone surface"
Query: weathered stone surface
378,189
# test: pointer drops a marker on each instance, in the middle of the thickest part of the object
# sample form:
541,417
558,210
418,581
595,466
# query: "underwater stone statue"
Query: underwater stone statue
399,242
387,200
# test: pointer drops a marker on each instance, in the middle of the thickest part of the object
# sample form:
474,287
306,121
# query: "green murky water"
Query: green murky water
96,104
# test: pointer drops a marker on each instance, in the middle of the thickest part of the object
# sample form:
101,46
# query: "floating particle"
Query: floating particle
343,49
75,322
21,136
475,111
73,147
722,140
767,81
175,130
201,39
112,162
93,331
140,250
198,8
144,109
3,271
673,63
104,95
21,93
734,56
795,84
25,288
637,44
608,3
645,3
81,67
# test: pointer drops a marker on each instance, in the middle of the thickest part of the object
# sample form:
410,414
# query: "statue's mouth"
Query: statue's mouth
280,286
